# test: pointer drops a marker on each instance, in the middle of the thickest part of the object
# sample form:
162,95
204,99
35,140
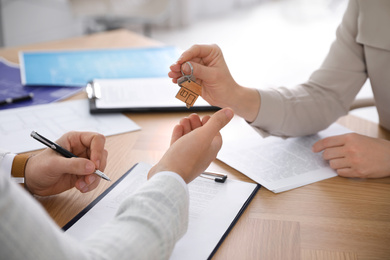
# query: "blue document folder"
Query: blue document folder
11,87
77,68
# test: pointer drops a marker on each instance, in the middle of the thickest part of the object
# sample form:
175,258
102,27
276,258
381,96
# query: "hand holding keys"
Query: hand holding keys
190,90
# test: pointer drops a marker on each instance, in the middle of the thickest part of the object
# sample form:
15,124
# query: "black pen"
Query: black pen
16,99
62,151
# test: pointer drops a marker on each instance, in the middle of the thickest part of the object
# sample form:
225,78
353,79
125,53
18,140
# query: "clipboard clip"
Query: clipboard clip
217,177
93,90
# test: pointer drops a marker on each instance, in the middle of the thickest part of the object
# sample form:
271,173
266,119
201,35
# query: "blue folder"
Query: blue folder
77,68
11,87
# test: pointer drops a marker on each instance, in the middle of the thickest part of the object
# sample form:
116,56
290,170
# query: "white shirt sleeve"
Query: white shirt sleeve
174,175
146,226
6,160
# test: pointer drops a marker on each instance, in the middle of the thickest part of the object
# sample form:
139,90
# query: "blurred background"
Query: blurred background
265,42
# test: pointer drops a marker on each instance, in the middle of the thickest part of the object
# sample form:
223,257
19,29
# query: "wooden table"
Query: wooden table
338,218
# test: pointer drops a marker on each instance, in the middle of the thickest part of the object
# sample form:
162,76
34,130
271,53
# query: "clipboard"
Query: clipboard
190,244
138,95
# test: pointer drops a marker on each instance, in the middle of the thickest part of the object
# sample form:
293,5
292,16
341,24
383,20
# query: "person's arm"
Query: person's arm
148,223
300,110
327,95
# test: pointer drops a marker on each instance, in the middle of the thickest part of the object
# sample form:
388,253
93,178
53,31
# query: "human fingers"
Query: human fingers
87,183
346,172
216,122
339,163
333,153
75,166
178,131
198,51
187,124
200,72
191,155
85,144
103,162
95,142
195,121
327,142
174,76
205,119
175,69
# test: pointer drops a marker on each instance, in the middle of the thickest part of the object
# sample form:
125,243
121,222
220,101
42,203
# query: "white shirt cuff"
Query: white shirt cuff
6,164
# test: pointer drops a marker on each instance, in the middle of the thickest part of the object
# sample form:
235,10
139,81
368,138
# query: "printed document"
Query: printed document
276,163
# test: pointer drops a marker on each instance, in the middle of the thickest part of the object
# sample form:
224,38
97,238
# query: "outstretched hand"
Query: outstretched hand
218,86
210,70
49,173
355,155
194,145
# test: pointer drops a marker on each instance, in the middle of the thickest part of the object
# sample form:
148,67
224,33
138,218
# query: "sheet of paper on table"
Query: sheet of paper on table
278,164
53,120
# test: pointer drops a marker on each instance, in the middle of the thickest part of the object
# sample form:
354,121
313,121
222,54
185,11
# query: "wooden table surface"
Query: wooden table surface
338,218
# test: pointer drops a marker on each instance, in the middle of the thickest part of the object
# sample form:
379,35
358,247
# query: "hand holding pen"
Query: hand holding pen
47,173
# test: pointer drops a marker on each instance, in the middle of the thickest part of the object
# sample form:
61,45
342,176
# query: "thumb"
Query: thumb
76,166
218,121
199,71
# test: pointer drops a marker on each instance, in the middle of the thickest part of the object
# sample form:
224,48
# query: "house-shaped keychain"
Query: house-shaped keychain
189,91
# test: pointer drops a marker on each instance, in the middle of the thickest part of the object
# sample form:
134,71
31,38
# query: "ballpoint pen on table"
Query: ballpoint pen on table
16,99
217,177
62,151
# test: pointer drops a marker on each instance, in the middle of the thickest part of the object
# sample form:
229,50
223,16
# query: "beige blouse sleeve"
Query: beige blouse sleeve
327,95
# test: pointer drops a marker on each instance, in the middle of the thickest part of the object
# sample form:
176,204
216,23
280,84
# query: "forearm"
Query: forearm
245,102
297,111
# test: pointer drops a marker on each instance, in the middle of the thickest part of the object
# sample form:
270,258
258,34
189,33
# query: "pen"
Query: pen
16,99
217,177
62,151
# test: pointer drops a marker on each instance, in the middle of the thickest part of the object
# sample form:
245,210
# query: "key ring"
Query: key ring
192,69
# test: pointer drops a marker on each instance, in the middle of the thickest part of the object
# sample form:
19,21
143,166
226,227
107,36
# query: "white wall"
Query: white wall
31,21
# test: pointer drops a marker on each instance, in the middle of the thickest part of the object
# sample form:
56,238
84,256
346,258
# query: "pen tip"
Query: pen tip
106,177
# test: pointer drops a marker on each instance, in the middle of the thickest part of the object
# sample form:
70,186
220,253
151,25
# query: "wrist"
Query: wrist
246,103
19,166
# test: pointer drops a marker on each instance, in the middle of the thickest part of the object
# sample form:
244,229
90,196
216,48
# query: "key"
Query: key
189,89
